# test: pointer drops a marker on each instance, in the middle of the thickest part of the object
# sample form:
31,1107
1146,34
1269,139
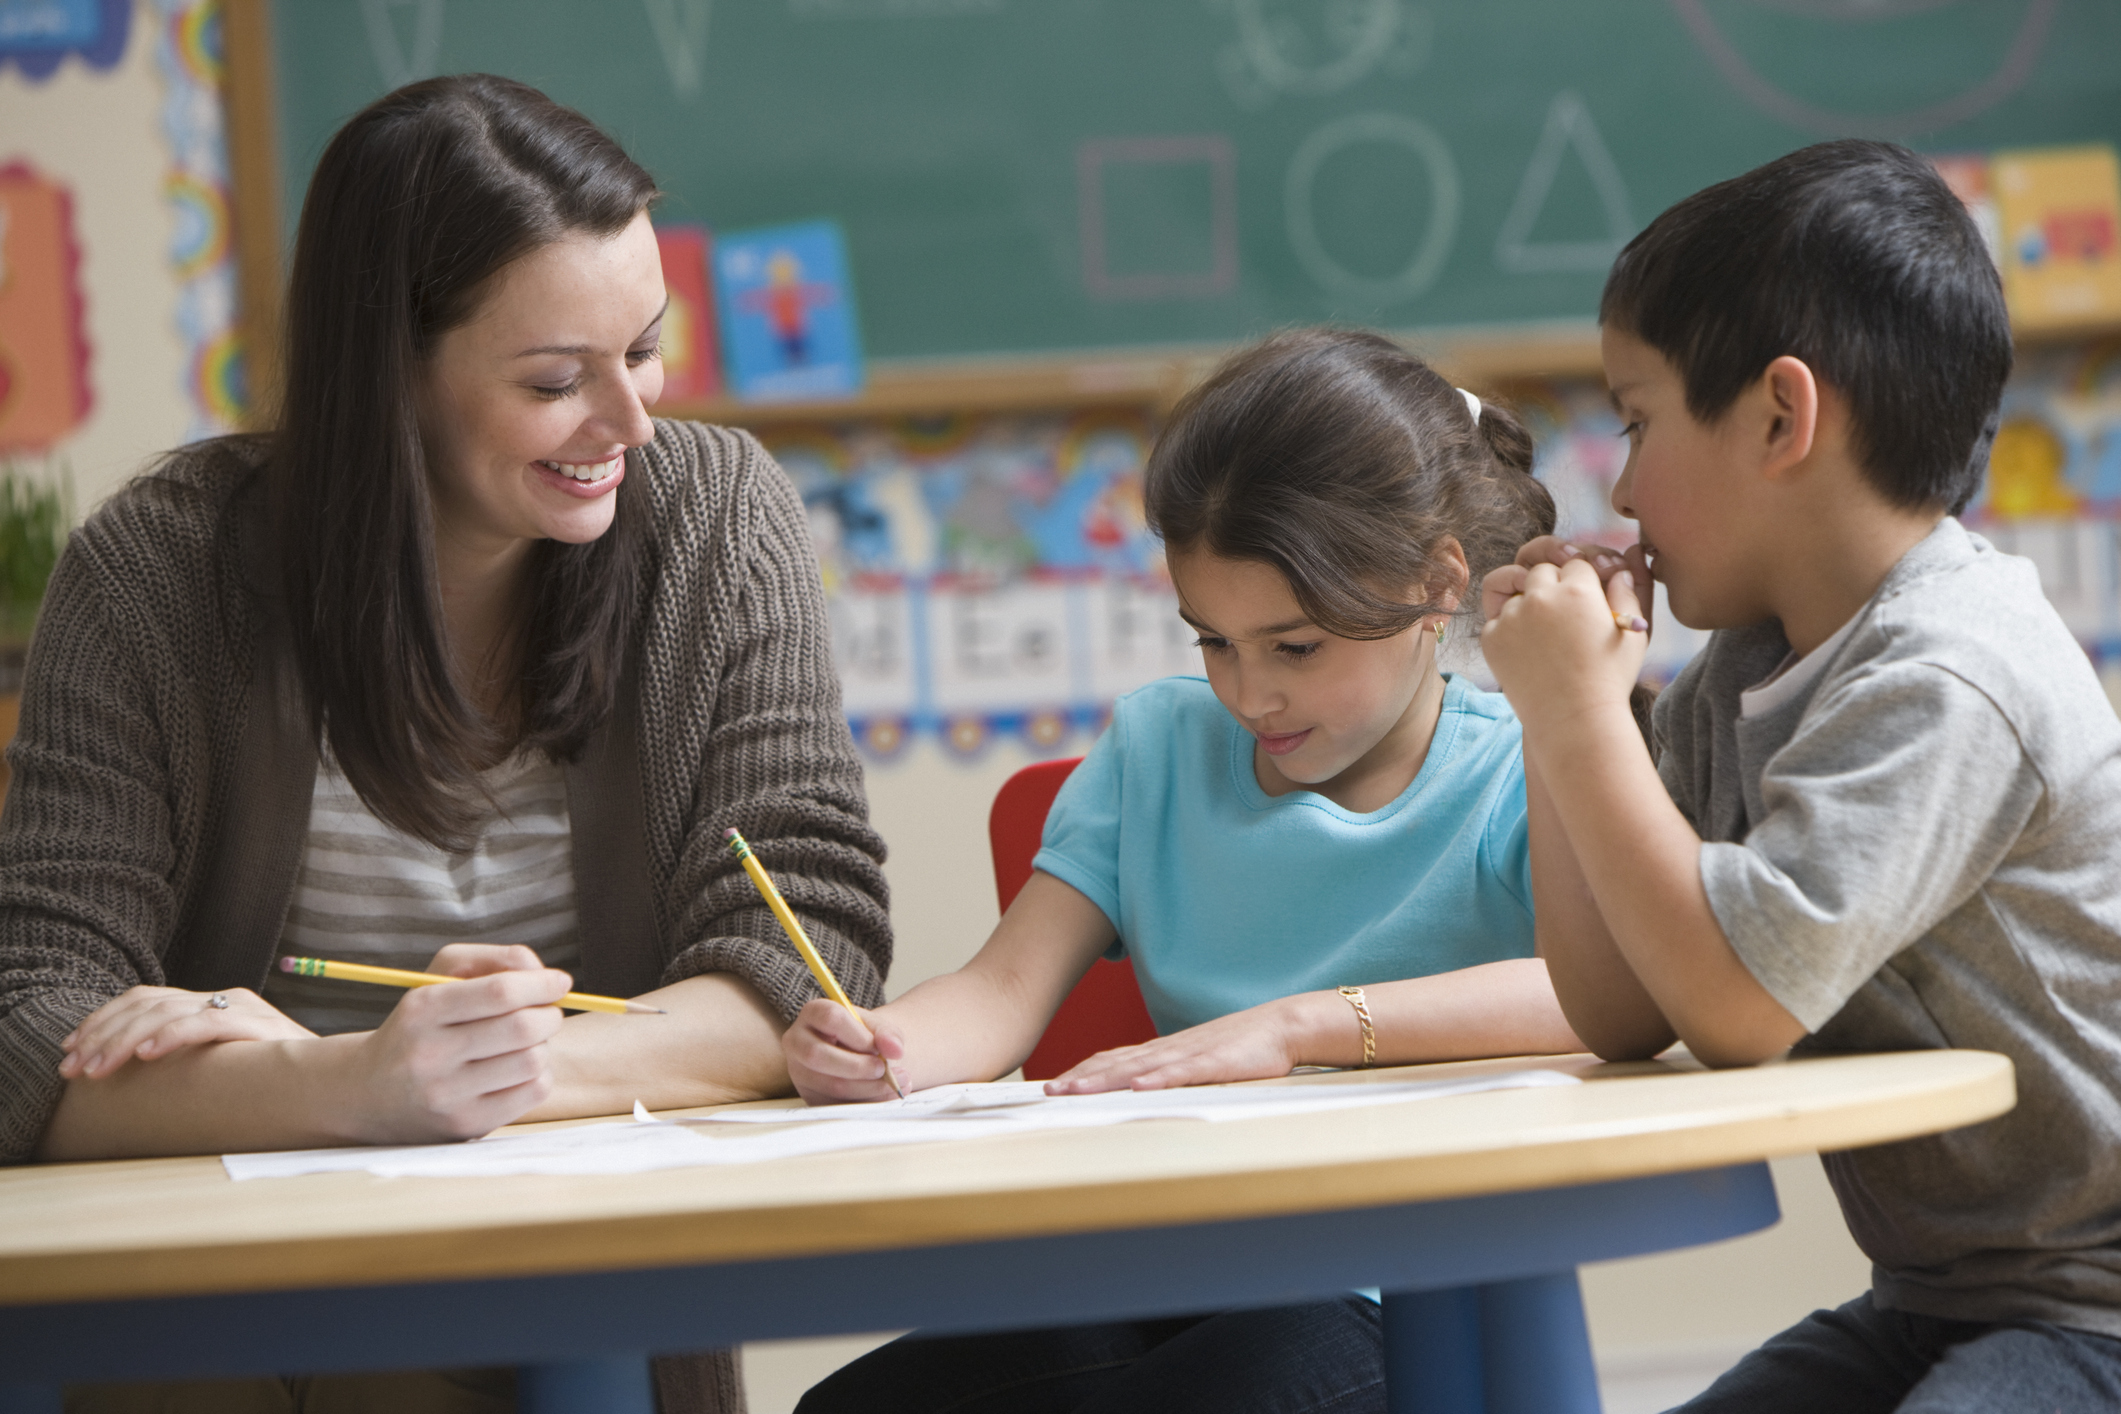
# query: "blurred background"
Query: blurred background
952,260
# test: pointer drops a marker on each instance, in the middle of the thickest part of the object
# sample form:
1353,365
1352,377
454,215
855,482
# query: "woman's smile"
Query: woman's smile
587,480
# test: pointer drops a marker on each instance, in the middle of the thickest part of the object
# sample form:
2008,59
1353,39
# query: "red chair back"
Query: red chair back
1106,1007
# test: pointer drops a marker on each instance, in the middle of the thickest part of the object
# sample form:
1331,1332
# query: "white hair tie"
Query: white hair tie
1472,405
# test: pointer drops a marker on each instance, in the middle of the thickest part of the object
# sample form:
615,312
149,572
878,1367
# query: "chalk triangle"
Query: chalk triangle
1568,129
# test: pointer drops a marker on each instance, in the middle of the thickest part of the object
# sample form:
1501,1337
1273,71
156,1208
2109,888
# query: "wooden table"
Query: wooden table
1471,1213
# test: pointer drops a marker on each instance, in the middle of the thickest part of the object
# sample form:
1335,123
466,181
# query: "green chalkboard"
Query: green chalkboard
1038,175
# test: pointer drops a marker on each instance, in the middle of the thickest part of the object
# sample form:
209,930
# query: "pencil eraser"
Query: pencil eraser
730,833
287,964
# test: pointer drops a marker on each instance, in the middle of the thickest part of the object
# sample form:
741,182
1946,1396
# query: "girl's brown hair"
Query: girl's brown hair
415,205
1344,462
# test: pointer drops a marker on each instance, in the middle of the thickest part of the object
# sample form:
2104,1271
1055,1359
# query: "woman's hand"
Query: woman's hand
1255,1044
458,1060
832,1062
148,1023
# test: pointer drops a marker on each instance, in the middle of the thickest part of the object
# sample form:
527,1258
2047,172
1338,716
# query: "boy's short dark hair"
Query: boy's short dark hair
1855,257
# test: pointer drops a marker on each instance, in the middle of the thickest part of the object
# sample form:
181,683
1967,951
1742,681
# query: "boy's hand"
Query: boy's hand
1555,551
1557,639
832,1062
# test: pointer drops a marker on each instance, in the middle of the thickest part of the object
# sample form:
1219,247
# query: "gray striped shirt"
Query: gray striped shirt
370,893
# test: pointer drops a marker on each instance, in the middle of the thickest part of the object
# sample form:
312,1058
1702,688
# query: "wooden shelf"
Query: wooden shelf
1157,378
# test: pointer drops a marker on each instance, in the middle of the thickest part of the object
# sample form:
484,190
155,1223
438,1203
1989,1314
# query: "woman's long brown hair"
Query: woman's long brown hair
416,204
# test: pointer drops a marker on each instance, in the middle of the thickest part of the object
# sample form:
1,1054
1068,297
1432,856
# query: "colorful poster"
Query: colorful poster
44,352
201,251
787,307
2060,210
994,576
35,35
986,576
690,373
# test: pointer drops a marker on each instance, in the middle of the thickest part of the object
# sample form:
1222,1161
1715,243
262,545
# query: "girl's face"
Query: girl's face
1328,713
530,405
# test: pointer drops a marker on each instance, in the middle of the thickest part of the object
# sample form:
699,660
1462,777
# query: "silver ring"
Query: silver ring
218,1001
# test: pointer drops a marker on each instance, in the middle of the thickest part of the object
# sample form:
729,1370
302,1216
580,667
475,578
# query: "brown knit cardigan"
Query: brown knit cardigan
164,765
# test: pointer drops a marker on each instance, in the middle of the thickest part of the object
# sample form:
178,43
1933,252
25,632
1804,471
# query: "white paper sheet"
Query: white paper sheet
947,1112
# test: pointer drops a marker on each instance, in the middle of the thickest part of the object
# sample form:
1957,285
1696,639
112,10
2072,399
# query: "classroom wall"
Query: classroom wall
137,146
133,138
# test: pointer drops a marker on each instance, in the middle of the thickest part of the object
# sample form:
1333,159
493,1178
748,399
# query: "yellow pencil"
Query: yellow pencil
399,977
793,927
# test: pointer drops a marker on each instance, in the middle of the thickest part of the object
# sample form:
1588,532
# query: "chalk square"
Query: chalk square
1158,216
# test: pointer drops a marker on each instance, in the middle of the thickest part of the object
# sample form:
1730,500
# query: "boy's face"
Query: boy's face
1686,485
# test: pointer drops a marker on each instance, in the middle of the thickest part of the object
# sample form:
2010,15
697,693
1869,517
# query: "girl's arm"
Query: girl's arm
1496,1009
976,1023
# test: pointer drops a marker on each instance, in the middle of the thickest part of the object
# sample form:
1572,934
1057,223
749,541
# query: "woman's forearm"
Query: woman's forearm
718,1042
1496,1009
231,1097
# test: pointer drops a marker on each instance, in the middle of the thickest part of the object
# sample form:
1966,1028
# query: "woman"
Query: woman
469,648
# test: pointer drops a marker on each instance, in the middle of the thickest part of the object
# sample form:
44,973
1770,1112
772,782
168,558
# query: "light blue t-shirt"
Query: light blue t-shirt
1226,897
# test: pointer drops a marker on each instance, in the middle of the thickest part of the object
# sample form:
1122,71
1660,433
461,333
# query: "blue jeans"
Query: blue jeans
1862,1359
1324,1358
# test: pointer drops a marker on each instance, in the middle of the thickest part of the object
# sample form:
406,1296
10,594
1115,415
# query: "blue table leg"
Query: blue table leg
619,1386
29,1399
1511,1347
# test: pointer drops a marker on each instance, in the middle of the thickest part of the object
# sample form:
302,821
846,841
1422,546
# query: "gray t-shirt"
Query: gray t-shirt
1921,848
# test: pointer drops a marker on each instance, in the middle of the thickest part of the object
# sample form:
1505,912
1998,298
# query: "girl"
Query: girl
1316,856
466,650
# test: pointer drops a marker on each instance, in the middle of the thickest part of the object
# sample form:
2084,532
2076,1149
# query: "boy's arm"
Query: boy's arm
1642,862
1568,672
1599,993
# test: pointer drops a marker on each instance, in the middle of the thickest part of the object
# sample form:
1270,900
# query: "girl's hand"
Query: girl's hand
1555,639
148,1023
832,1062
455,1061
1253,1044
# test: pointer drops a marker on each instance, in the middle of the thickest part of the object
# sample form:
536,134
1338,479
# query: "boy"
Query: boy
1886,810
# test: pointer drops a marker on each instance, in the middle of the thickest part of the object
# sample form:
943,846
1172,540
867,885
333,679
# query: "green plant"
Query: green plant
36,511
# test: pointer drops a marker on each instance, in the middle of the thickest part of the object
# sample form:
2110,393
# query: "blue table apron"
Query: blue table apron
1481,1309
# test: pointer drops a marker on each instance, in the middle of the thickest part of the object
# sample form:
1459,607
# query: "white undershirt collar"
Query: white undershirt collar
1792,675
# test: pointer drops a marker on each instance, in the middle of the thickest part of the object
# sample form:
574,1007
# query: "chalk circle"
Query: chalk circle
2009,76
1378,24
1394,129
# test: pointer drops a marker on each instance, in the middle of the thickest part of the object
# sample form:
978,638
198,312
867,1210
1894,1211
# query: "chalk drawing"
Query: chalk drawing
891,9
1211,150
1275,53
1568,128
681,33
2009,76
393,61
1394,129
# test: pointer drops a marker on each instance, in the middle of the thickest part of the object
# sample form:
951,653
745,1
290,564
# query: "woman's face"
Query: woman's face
530,405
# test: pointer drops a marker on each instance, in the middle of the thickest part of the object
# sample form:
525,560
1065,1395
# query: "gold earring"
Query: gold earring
1439,633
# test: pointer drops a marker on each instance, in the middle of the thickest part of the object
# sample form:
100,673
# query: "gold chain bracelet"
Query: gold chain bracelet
1362,1014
